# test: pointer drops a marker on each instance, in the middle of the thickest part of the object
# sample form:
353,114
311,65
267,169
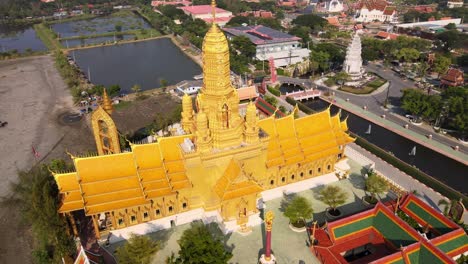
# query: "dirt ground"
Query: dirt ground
33,100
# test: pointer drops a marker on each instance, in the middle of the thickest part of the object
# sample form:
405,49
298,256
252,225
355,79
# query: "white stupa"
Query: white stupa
333,6
353,61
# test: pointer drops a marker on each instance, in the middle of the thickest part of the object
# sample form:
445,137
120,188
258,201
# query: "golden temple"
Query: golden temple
220,164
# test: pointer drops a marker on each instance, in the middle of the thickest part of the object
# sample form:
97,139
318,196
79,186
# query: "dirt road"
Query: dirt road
32,96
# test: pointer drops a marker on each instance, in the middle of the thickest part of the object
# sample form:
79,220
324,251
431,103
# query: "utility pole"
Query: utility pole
388,92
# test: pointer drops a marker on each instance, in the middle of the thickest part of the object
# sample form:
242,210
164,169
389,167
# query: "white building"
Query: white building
284,48
353,61
333,6
371,10
454,3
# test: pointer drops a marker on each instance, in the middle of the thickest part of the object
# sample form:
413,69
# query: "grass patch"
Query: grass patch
330,81
355,90
376,83
122,105
47,36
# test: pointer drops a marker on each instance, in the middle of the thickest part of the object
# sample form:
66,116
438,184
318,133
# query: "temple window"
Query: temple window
120,221
310,172
170,209
339,156
302,174
133,219
329,167
319,170
145,215
292,177
272,182
184,205
283,179
158,212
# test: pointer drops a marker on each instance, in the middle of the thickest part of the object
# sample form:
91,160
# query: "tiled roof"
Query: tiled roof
453,74
247,92
333,21
261,34
386,35
201,9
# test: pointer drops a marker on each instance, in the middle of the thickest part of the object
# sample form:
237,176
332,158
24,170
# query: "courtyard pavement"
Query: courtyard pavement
288,247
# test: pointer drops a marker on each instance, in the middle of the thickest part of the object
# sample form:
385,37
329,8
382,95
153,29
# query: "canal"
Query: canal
145,63
433,163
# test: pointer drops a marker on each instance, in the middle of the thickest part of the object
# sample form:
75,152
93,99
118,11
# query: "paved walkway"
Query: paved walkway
404,180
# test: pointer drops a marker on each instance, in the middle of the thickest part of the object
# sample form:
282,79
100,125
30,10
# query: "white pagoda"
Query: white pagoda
353,61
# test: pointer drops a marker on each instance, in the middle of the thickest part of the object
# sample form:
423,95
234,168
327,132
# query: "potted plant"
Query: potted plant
333,196
297,210
374,185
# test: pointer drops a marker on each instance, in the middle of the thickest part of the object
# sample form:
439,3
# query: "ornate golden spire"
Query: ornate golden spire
106,103
213,10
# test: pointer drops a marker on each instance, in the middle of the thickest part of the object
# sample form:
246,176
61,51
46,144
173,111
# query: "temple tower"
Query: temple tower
218,99
187,114
203,137
250,125
353,61
104,129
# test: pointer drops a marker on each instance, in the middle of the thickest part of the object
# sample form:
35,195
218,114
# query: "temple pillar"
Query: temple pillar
73,223
268,258
96,226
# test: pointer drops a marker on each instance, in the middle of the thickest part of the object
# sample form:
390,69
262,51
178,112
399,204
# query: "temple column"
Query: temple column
73,224
96,227
268,258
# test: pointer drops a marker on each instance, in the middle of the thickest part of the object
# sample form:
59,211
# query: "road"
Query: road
375,104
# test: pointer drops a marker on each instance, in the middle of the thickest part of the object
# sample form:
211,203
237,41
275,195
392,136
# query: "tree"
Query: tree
138,250
408,54
451,26
198,245
333,196
375,185
441,64
311,21
321,58
341,77
271,100
238,21
35,194
282,108
114,90
463,60
244,45
118,27
163,83
137,90
302,32
297,210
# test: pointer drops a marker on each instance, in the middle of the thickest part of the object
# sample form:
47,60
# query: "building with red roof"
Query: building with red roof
333,21
378,235
47,1
371,10
204,12
424,8
176,2
453,77
259,13
386,35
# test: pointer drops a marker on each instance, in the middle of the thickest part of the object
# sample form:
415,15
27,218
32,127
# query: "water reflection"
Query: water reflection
20,39
431,162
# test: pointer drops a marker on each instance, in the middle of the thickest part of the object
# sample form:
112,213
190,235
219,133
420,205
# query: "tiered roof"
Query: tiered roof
394,239
295,140
123,180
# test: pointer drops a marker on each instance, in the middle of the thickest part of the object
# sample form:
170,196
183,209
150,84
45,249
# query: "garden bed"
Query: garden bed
355,90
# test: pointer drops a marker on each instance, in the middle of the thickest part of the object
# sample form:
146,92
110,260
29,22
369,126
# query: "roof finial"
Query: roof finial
106,102
213,10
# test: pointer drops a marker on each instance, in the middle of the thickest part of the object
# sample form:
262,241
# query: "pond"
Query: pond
433,163
72,43
20,39
98,25
144,63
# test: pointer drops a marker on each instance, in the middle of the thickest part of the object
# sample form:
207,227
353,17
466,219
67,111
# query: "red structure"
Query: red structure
453,77
380,236
268,258
272,70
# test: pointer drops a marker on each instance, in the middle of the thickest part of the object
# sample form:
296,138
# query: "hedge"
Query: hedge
273,90
304,108
412,171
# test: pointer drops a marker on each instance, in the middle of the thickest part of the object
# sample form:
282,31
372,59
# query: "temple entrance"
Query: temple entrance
242,213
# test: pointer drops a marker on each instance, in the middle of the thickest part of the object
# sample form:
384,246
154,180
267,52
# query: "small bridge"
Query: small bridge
303,95
304,83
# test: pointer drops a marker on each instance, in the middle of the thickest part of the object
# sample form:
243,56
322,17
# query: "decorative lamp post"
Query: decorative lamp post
268,258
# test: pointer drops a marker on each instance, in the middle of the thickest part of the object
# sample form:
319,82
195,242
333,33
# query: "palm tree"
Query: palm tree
297,210
333,196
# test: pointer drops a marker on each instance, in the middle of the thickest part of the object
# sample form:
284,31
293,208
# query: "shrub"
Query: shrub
297,210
